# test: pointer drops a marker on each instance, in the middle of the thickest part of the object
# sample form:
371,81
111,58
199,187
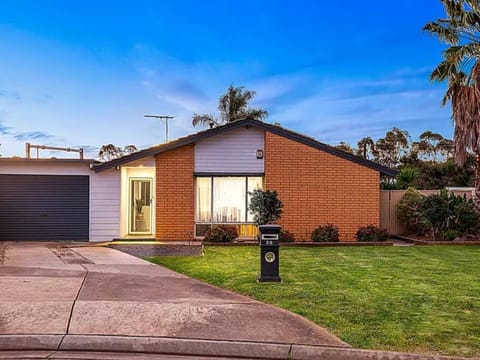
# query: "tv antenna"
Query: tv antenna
165,118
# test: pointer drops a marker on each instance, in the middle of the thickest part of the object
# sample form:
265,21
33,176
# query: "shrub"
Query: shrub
265,206
221,233
409,212
450,235
436,214
286,236
406,177
371,233
447,211
466,218
325,233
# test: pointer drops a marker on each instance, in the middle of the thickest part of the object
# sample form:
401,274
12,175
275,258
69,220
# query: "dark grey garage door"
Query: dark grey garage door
44,207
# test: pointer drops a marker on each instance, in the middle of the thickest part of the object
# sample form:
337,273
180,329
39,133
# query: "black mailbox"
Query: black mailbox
269,253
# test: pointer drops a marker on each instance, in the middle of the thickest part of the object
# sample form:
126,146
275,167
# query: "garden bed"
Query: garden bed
425,241
341,243
304,243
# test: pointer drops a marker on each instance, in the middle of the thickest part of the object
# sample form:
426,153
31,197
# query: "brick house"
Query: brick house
178,190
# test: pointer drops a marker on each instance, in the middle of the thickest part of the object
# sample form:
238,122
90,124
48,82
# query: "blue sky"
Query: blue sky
83,73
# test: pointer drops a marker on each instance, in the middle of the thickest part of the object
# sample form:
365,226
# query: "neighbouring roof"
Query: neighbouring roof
10,160
275,129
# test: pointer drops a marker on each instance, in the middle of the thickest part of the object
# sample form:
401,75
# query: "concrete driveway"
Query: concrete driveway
50,289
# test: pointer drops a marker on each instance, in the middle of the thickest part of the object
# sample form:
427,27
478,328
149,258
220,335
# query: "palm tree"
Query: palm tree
461,68
233,105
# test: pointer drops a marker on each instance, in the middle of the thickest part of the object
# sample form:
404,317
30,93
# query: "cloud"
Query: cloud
32,135
188,89
311,99
43,98
12,95
348,110
89,151
181,88
4,130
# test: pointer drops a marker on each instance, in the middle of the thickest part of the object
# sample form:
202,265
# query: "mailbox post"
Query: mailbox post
269,253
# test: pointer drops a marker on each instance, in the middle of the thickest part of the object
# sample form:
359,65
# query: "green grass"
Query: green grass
421,299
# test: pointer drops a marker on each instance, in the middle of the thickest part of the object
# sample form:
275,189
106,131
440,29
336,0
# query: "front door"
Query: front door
140,208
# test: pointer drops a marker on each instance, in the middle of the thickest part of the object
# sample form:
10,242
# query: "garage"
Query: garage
44,207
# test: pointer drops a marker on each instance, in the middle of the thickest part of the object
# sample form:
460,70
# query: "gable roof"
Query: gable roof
275,129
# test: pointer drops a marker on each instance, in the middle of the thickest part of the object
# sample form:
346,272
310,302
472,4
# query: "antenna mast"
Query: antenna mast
164,118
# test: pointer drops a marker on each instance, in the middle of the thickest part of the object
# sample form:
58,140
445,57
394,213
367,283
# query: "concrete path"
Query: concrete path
72,302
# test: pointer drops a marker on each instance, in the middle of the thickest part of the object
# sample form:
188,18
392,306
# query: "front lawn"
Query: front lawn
422,299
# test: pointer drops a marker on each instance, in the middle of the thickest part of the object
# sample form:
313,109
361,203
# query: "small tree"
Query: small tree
406,177
265,206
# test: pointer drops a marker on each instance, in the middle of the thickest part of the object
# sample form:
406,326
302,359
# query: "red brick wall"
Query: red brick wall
174,218
319,188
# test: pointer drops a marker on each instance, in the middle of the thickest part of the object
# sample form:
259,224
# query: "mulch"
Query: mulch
423,240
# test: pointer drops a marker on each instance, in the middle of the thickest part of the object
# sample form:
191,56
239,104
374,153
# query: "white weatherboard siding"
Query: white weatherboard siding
105,205
231,152
104,195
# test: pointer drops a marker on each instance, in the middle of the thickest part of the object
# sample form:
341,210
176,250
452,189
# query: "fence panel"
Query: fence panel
389,200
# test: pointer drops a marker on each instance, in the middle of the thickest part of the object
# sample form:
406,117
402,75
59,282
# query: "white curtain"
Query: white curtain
229,199
204,198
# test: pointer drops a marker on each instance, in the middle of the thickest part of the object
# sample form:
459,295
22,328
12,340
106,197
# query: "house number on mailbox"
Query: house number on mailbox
270,257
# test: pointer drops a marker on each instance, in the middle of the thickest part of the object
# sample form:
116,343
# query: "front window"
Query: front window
204,200
224,200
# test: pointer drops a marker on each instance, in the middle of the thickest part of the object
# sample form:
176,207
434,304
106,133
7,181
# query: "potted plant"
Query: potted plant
265,206
139,217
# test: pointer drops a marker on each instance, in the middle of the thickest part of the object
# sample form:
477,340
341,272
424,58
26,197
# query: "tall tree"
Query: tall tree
428,145
460,30
391,148
366,148
233,105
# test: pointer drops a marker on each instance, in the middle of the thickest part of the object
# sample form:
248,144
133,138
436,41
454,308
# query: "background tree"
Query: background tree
428,146
366,148
391,148
345,147
129,149
233,105
425,164
445,148
110,151
460,30
407,176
